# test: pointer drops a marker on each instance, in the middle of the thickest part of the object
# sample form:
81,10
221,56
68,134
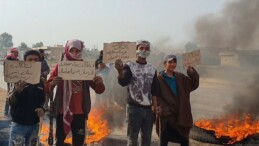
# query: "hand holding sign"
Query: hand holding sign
98,80
56,80
191,59
126,51
190,70
19,86
119,65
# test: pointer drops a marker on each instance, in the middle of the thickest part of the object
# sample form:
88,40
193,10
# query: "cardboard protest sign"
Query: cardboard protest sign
27,71
56,53
191,58
126,51
76,70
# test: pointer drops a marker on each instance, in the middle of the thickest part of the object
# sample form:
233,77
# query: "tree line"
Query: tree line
6,41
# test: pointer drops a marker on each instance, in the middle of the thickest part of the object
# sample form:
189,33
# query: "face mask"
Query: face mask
143,54
77,56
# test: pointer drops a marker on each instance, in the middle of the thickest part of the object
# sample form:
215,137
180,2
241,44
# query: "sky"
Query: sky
102,21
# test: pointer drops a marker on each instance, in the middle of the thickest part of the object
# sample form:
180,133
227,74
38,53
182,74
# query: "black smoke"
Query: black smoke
237,27
246,101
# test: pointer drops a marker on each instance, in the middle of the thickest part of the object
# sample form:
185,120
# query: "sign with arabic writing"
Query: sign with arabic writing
126,51
76,70
191,58
28,71
56,52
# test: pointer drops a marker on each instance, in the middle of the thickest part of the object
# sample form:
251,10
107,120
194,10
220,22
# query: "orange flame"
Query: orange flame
235,127
97,128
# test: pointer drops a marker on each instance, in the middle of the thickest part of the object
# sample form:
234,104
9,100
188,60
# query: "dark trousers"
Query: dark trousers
140,120
170,134
7,107
77,128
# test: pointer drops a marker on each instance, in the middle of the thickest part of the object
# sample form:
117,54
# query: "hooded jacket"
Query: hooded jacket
176,109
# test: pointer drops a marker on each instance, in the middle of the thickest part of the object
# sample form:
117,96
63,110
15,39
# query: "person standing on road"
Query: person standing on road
141,80
12,56
174,99
26,101
72,102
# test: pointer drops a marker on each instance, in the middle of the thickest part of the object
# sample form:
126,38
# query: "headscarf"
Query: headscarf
67,84
12,56
74,44
139,42
143,53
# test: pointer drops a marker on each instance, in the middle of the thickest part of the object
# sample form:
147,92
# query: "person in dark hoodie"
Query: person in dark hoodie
174,99
100,58
26,101
44,65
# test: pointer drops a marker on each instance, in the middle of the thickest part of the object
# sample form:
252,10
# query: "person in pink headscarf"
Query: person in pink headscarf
13,55
72,99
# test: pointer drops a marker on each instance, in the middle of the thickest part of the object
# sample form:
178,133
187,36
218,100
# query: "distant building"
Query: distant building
48,50
229,58
243,58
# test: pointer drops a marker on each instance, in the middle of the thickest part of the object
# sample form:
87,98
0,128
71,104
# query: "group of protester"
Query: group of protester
152,97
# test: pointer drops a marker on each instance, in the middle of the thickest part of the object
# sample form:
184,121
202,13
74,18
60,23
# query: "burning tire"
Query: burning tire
202,135
207,136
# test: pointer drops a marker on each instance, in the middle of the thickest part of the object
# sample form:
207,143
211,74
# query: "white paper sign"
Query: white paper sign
192,58
76,70
27,71
56,52
126,51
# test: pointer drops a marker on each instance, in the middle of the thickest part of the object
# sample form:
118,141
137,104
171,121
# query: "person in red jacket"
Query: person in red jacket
12,56
72,101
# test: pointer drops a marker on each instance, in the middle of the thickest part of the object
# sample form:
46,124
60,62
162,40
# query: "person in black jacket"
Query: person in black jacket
26,101
44,65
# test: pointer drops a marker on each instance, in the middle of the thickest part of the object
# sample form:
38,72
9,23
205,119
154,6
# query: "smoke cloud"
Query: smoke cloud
237,27
247,101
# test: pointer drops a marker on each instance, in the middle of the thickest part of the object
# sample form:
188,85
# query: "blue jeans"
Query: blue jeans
139,119
23,135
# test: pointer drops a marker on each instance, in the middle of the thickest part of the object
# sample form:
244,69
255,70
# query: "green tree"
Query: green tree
23,45
6,40
39,44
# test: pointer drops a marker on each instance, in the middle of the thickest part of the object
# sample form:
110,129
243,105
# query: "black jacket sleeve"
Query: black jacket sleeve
154,86
127,75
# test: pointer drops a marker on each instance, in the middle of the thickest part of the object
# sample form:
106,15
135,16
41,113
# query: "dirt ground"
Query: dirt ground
2,102
207,101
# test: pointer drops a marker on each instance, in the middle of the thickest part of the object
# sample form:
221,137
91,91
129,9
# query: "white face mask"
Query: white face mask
143,54
77,56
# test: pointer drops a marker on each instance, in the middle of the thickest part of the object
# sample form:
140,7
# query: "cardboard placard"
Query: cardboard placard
126,51
28,71
76,70
191,58
56,53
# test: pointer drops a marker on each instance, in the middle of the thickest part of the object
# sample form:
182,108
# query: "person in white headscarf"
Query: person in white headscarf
72,102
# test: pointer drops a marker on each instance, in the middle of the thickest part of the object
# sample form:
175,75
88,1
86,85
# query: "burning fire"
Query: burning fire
235,127
97,128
